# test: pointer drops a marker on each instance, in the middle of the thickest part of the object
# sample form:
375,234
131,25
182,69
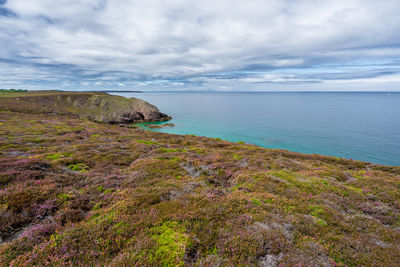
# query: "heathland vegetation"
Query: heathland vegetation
77,192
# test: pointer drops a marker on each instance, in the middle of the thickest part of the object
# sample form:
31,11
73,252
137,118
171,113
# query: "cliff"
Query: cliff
97,106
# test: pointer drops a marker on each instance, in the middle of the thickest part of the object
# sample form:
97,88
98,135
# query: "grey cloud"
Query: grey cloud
197,44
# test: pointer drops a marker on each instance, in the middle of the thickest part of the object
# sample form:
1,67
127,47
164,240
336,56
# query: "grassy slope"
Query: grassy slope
87,192
97,106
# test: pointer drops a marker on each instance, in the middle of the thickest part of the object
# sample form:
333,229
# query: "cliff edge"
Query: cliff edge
96,106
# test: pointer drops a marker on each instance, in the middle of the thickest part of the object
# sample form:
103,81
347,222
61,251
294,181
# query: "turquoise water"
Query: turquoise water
362,126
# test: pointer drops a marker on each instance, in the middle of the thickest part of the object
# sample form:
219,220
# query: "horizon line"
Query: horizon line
207,91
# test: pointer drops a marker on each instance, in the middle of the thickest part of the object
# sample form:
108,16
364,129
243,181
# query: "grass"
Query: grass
86,193
5,92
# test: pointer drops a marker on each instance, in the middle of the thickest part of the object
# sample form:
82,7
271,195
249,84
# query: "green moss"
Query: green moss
56,239
79,167
174,159
321,222
147,142
53,156
67,154
100,188
354,189
288,208
256,201
316,210
171,242
77,129
237,157
94,135
199,151
170,150
63,197
213,250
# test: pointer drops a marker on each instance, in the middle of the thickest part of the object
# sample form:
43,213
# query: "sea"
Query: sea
354,125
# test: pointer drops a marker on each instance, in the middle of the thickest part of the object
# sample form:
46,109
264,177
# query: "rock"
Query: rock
190,169
270,260
17,154
161,126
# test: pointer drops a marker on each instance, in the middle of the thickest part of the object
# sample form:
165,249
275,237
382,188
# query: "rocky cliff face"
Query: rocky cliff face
100,107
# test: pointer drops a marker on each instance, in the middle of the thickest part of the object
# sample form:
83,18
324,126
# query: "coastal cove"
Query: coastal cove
361,126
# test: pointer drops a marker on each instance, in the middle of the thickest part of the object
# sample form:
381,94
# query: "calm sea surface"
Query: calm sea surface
362,126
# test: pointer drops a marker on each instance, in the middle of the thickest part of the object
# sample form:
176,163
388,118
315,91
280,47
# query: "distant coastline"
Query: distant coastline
114,91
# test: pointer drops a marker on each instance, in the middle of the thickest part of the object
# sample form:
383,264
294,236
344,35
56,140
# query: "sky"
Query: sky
222,45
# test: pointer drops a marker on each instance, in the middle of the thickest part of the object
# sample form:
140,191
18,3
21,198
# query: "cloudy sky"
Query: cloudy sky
264,45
